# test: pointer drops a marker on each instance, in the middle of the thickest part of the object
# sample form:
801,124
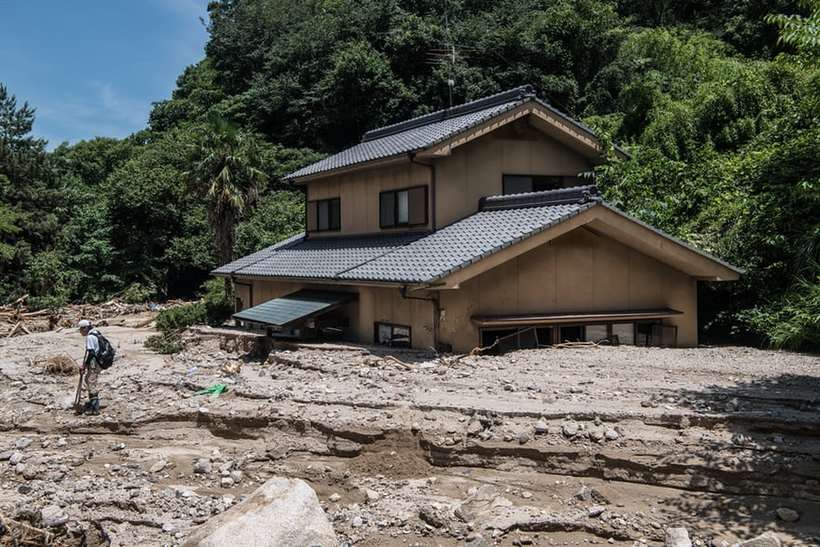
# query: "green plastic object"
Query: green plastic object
215,390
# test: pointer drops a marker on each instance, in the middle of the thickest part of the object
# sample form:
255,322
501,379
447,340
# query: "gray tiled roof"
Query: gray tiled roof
419,257
403,142
324,258
425,131
463,243
250,259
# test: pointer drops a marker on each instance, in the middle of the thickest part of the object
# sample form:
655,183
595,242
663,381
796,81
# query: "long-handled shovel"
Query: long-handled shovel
77,408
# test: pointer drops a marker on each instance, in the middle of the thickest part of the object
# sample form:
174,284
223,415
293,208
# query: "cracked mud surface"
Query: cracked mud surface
570,446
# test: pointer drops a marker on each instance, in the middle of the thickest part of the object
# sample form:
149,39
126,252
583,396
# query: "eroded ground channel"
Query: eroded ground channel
549,447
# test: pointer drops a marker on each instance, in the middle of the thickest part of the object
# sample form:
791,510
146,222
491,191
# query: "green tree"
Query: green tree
226,171
801,31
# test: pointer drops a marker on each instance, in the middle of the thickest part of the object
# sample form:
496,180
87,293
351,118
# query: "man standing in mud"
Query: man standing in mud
91,366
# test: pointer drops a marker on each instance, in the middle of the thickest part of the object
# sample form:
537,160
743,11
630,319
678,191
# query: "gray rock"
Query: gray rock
541,427
596,511
356,522
280,512
335,497
767,539
16,458
4,456
787,514
523,437
570,429
53,516
677,537
596,435
475,540
202,466
23,442
158,466
429,515
372,495
612,435
474,427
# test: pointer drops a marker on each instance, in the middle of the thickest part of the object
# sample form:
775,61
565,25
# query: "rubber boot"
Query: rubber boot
93,405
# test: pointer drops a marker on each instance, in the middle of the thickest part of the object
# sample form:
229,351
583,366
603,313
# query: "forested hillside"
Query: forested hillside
720,117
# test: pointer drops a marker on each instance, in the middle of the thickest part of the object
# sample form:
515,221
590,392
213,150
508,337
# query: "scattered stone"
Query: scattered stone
596,435
787,514
334,497
16,458
475,540
226,482
202,466
523,437
767,539
474,427
23,442
570,429
280,512
541,427
53,516
596,511
429,515
158,466
356,522
612,435
372,495
677,537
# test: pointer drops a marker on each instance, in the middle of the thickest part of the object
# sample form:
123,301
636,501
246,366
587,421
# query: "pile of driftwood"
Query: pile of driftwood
18,318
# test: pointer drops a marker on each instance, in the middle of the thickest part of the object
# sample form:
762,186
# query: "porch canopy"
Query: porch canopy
582,317
295,307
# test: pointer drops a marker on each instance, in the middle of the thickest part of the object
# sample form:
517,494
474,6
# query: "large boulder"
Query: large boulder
281,512
677,537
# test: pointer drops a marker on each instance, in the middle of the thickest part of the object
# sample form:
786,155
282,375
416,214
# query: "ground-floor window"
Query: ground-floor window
643,333
388,334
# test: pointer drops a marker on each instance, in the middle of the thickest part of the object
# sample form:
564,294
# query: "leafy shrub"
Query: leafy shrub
794,321
179,318
165,343
137,293
218,305
213,309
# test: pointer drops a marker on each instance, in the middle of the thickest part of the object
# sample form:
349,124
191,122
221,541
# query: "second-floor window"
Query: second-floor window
324,215
519,184
405,207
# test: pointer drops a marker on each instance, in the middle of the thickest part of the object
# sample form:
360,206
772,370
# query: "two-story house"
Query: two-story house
466,226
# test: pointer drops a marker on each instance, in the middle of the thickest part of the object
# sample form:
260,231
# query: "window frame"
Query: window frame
562,181
317,203
392,326
407,224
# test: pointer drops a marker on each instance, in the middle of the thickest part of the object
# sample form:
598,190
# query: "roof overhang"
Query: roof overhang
540,115
615,224
297,307
564,318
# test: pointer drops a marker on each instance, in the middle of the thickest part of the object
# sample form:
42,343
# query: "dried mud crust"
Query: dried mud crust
549,446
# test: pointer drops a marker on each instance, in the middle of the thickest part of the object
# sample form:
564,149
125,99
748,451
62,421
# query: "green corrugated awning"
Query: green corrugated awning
299,306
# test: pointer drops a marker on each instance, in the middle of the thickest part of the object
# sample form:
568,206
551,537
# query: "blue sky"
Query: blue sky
93,67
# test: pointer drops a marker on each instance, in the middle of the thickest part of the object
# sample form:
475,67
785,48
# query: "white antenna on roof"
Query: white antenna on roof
447,55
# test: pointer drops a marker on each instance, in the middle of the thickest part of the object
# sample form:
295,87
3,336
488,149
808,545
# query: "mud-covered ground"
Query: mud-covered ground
548,447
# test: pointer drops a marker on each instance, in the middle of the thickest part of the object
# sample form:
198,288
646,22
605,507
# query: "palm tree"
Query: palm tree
226,172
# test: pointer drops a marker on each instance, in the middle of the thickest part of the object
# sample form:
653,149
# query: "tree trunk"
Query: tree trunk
225,236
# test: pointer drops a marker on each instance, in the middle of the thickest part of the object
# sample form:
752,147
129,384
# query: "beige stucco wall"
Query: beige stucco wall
577,272
475,169
387,305
359,193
